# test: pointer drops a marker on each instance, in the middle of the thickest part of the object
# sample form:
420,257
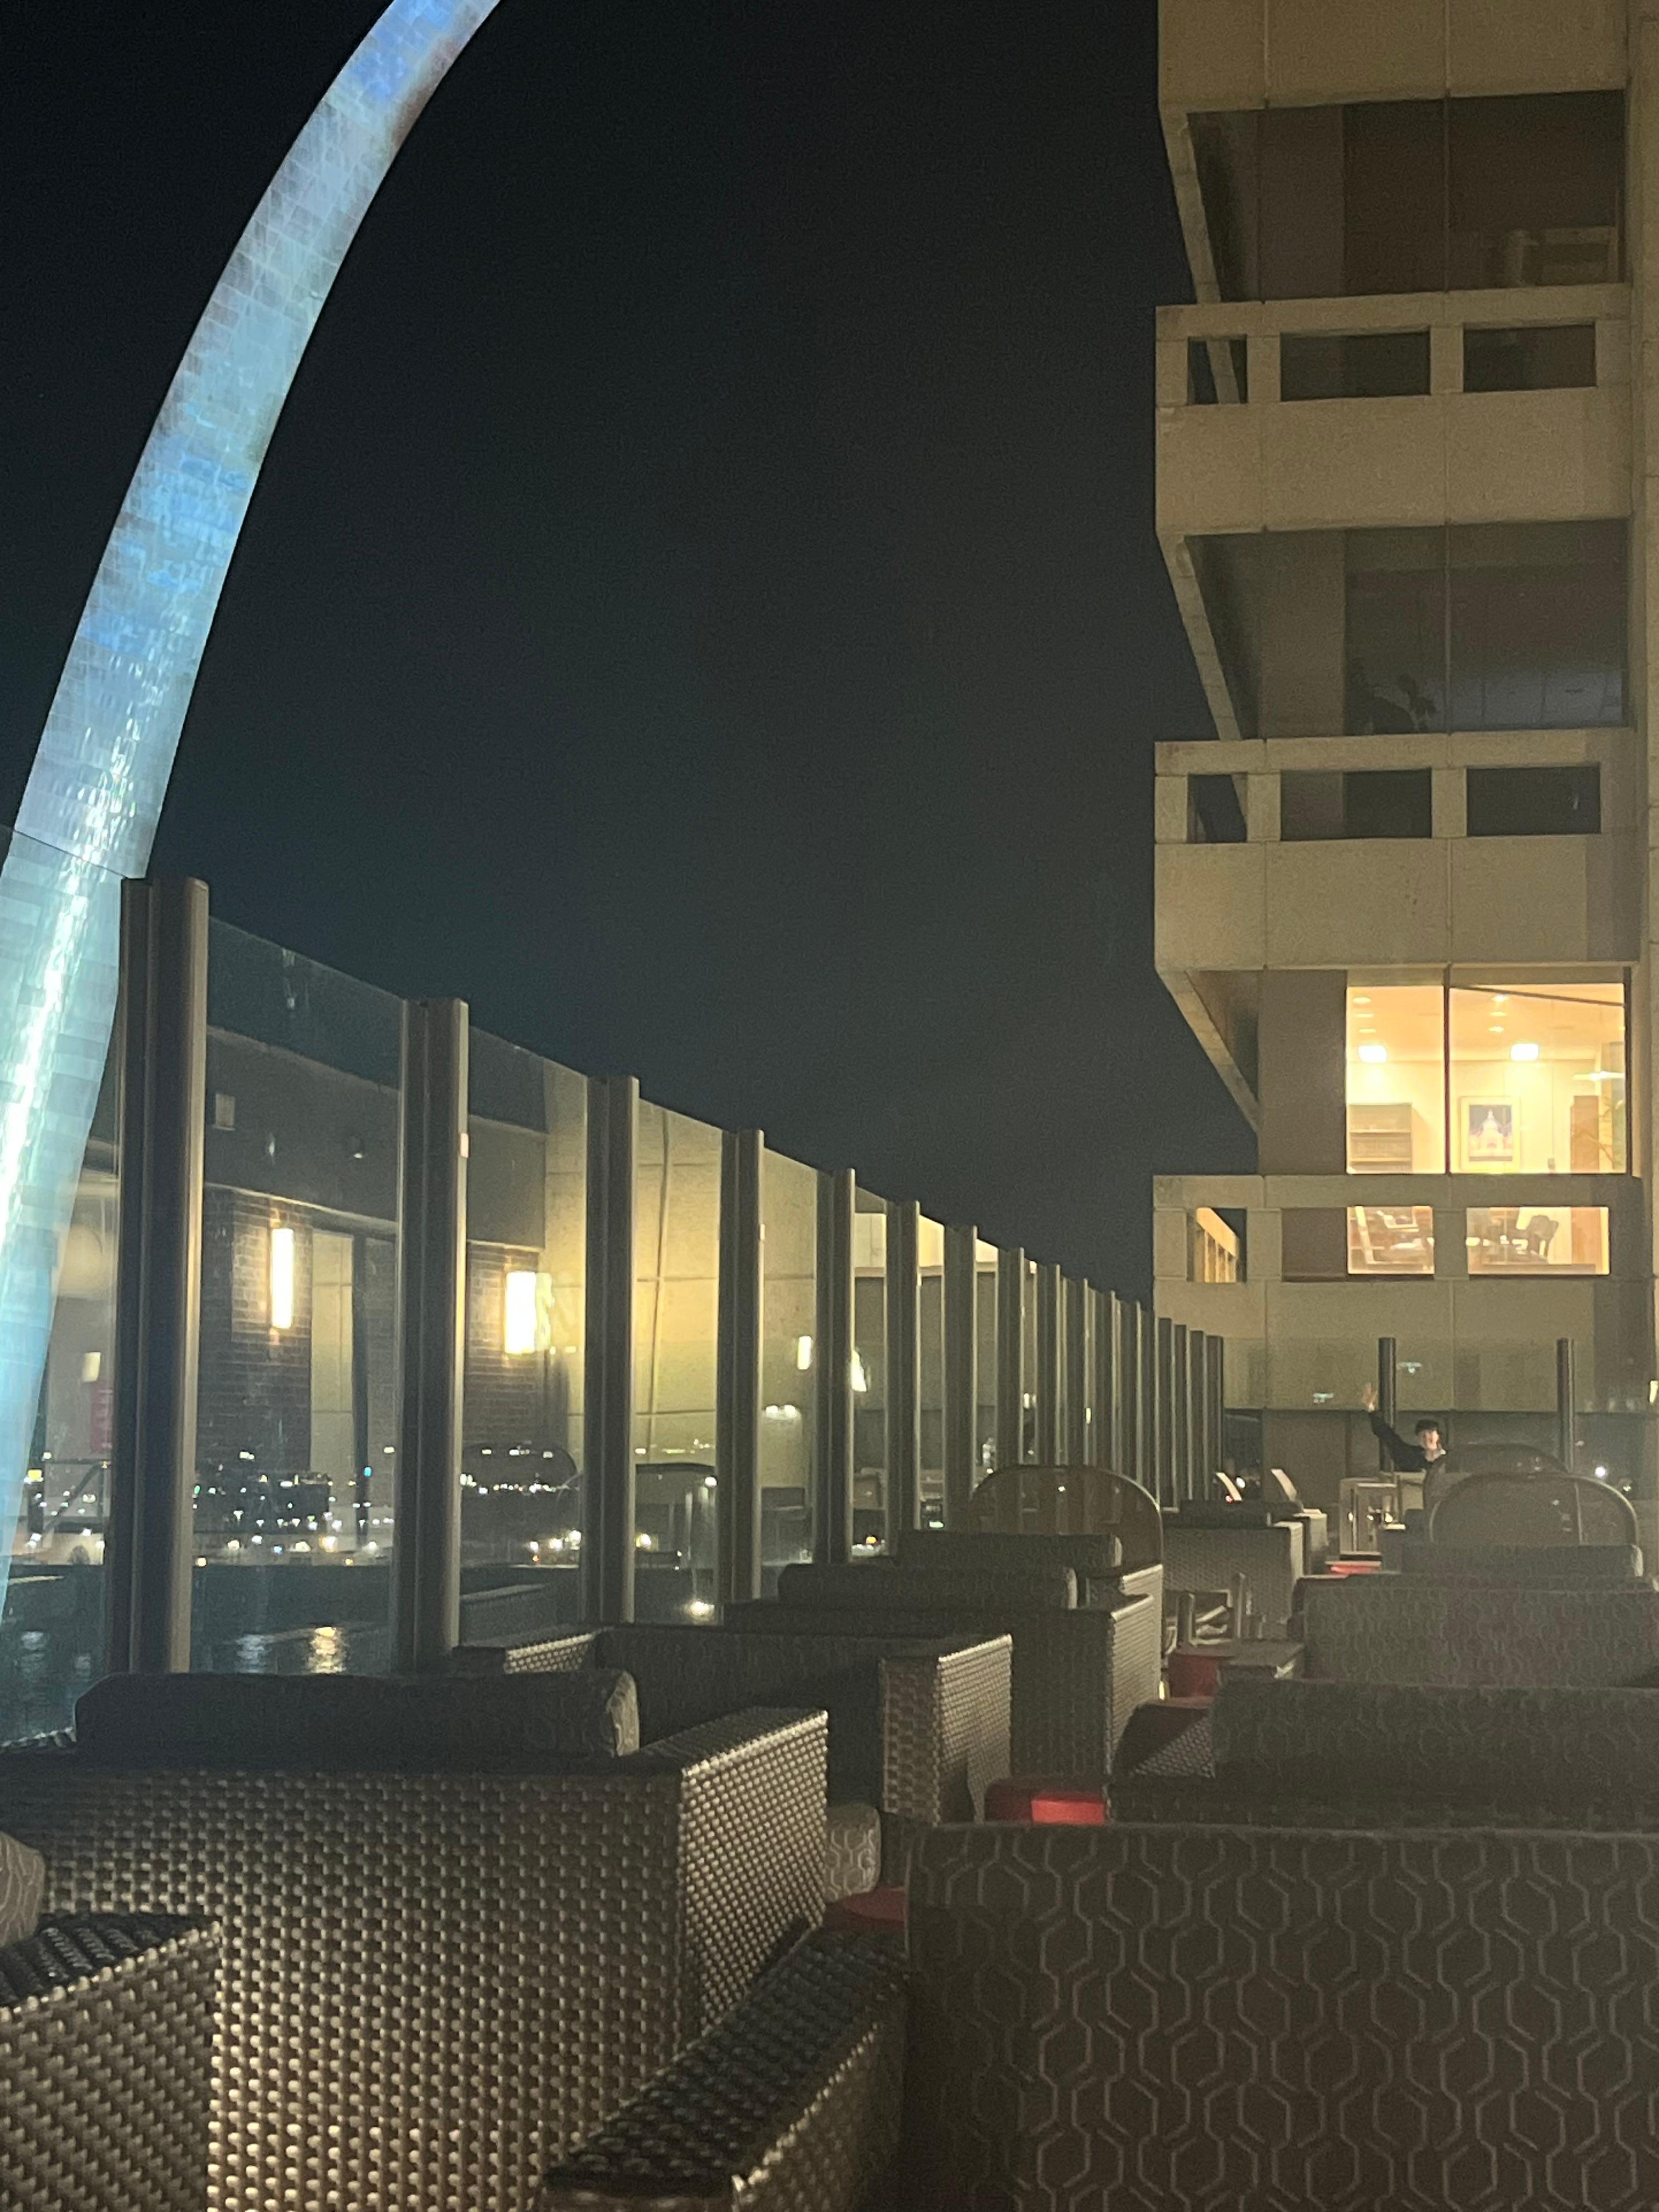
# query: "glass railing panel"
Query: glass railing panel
296,1404
869,1372
789,1200
522,1431
931,1350
677,1237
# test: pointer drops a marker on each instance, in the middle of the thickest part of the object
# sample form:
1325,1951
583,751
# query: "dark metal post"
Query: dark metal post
426,1558
1081,1401
1102,1370
613,1124
960,1344
1137,1410
1048,1362
1566,1401
1215,1375
1387,1402
1011,1357
164,939
1181,1429
903,1349
737,1389
1163,1410
832,1488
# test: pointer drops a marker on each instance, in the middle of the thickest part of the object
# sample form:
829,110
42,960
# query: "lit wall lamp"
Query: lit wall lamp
282,1279
519,1326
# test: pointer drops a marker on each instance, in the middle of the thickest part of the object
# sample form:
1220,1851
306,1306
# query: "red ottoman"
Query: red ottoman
1192,1675
871,1912
1047,1803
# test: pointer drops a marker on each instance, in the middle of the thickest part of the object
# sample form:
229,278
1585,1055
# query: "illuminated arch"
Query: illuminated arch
94,793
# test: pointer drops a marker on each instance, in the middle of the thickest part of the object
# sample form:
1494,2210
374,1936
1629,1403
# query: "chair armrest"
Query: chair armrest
535,1654
801,2085
107,2030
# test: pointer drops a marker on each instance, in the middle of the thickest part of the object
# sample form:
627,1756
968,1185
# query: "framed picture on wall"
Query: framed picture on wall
1489,1134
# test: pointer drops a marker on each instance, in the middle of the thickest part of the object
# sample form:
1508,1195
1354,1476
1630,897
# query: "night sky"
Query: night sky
701,604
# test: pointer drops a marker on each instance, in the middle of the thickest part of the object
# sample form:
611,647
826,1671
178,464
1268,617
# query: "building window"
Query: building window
1531,357
1397,1085
1413,196
1538,1079
1534,802
1362,802
1390,1240
1362,365
1215,1246
1535,1240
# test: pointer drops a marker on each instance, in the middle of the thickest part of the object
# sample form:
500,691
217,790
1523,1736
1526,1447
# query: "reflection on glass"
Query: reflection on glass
869,1371
521,1421
789,1200
931,1249
1396,1078
1538,1078
51,1630
676,1238
1535,1240
1390,1240
295,1408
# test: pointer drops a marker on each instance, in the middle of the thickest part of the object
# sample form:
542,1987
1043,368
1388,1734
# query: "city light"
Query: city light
519,1334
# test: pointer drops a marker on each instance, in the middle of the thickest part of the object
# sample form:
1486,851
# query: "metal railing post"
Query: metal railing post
1079,1390
903,1352
1047,1382
832,1488
1387,1403
960,1347
1566,1401
164,960
608,1521
738,1387
426,1558
1102,1379
1162,1337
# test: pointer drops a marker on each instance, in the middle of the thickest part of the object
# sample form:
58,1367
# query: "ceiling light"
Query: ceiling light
519,1332
1523,1051
1373,1054
282,1279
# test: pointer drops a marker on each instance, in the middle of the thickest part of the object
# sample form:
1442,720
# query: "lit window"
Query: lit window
1390,1240
1396,1080
282,1279
1538,1078
1536,1240
519,1334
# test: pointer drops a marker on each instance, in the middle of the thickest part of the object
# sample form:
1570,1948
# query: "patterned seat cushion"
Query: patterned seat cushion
852,1855
1402,1629
1188,1757
1554,1566
342,1723
22,1886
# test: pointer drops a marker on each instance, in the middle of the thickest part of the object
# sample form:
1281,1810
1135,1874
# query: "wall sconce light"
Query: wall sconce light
518,1331
282,1279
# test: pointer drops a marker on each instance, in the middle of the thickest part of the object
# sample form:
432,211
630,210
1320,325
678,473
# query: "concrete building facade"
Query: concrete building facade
1403,888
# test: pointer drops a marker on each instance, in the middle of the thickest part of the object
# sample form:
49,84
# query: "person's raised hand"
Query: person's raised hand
1367,1397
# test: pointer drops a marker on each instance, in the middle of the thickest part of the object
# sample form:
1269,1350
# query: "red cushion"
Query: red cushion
1047,1803
871,1912
1193,1674
1353,1566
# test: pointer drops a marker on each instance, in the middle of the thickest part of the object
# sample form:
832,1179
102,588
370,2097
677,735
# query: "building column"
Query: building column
737,1389
426,1558
158,1305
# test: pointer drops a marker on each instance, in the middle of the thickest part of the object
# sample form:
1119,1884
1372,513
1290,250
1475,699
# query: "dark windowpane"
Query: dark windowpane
1534,802
1545,359
1538,621
1397,631
1394,174
1314,1247
1362,802
1371,365
1215,810
1535,189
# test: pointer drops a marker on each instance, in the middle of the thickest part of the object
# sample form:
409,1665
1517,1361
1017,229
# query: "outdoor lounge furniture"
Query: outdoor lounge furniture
1079,1672
1407,1628
1501,1507
1205,1547
106,2025
1196,2019
1095,1560
464,1921
918,1726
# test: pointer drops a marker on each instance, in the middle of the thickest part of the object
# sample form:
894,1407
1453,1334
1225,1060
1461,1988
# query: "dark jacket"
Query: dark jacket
1404,1458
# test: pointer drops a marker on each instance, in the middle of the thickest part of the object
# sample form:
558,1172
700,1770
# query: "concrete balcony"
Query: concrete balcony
1246,53
1438,456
